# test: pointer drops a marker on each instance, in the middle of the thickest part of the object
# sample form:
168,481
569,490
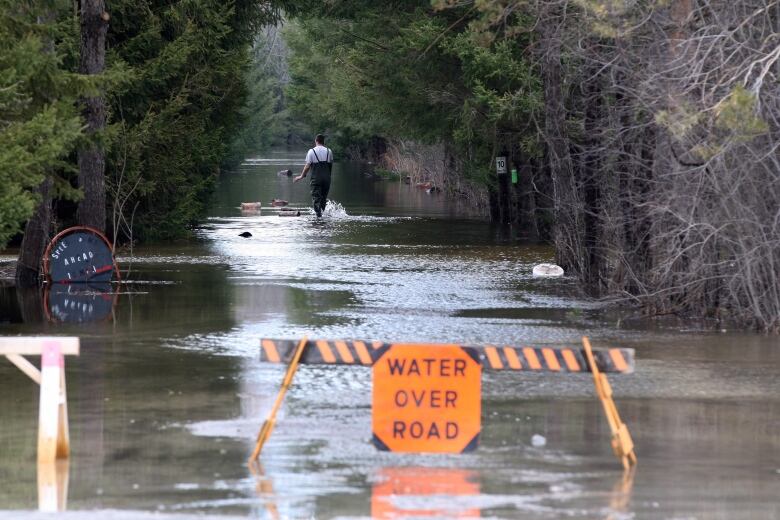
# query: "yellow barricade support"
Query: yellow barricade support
268,425
622,444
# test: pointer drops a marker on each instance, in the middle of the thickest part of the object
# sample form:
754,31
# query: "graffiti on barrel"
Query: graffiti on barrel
79,255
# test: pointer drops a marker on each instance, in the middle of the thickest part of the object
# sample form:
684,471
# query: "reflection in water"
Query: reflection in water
79,302
76,303
621,495
264,487
53,485
423,492
23,305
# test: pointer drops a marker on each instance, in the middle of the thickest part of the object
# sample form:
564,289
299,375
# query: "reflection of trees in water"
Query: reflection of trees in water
178,299
303,306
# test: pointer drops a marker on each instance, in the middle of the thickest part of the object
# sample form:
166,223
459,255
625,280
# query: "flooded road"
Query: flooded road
167,396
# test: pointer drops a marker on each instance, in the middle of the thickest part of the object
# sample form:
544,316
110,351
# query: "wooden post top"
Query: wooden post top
33,345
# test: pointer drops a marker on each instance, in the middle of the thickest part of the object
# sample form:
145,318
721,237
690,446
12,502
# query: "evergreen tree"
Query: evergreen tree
186,100
39,124
406,70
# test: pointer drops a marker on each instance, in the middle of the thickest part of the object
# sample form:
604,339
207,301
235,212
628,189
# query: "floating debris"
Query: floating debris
547,270
245,234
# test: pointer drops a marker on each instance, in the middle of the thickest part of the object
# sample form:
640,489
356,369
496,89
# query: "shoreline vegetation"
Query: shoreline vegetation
649,159
644,137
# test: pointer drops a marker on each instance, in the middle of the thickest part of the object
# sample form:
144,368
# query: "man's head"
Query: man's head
320,139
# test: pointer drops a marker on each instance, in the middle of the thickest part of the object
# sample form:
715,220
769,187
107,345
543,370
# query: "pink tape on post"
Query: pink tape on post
51,356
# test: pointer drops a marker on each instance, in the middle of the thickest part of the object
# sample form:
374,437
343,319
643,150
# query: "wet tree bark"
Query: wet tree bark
92,161
566,205
36,236
590,166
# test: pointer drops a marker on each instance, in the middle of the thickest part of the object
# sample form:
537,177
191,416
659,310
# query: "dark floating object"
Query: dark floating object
284,173
433,189
279,202
245,234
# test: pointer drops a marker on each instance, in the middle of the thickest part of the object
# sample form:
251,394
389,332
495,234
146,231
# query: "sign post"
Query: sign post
427,399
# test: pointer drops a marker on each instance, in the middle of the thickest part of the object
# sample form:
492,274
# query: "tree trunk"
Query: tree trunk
92,161
36,236
566,201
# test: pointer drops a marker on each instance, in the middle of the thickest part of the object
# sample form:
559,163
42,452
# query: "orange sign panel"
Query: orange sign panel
427,399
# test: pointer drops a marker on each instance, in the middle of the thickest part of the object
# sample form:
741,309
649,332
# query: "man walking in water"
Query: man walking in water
320,161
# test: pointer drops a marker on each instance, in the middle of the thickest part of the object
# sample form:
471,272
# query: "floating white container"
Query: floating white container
548,270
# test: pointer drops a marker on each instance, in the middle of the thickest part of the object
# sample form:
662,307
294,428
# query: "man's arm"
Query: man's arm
303,173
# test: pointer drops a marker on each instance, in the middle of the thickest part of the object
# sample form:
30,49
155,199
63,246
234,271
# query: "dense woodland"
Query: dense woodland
645,134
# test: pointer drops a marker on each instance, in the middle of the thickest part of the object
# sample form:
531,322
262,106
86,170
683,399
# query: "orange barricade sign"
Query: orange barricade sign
427,399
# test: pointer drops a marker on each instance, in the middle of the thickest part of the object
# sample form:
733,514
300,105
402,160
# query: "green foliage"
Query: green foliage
263,115
184,102
39,125
408,71
389,175
738,115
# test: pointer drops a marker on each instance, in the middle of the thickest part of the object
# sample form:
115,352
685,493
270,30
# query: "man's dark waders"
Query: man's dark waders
320,183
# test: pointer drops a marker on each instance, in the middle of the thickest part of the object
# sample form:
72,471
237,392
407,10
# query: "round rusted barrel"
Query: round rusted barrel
79,255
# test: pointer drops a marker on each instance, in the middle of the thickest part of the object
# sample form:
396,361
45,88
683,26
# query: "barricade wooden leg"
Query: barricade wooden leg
53,438
621,441
268,425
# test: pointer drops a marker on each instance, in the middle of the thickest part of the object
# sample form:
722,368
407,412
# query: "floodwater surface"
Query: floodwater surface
168,394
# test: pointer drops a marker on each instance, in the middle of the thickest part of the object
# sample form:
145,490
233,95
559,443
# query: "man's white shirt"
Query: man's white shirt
324,154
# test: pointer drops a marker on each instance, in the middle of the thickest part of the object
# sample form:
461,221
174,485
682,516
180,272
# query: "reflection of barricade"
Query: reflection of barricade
53,433
431,396
422,486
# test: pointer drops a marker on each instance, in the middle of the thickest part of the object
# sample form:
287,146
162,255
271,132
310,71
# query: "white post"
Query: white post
53,440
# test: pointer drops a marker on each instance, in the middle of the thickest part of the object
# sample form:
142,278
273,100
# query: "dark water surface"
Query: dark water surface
168,394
